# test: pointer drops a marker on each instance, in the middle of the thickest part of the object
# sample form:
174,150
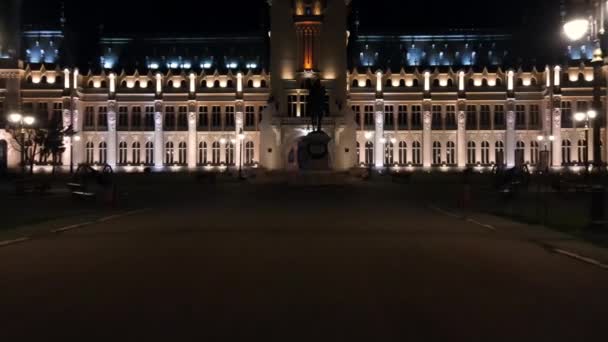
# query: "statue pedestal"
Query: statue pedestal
313,152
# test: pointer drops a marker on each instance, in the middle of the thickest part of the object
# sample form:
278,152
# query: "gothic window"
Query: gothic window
182,152
122,153
149,153
169,153
402,152
249,153
202,153
471,153
450,153
566,146
369,153
136,153
416,153
485,152
103,152
436,153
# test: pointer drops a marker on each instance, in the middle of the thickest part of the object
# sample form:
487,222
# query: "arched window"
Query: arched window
358,152
436,153
369,153
250,84
388,153
263,84
216,84
450,153
485,152
484,82
471,153
104,84
229,153
182,151
520,147
170,84
123,84
28,80
103,152
581,77
499,153
533,81
534,152
415,82
169,153
471,82
368,83
90,153
215,152
582,151
450,82
416,153
136,153
183,84
436,82
136,85
402,83
202,153
498,82
249,153
388,83
402,152
149,153
91,84
229,84
355,83
566,145
122,152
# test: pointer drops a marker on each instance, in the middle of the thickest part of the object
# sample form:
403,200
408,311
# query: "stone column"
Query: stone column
557,131
111,135
159,145
238,127
461,136
67,142
427,144
510,134
379,134
77,143
192,145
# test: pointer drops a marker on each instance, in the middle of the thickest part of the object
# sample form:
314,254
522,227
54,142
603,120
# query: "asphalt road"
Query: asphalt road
267,263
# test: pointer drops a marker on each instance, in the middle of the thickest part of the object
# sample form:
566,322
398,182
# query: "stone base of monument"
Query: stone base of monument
313,152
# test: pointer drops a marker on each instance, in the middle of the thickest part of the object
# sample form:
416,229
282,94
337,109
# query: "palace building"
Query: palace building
436,100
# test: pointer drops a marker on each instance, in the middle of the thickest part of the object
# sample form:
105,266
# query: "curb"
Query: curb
74,226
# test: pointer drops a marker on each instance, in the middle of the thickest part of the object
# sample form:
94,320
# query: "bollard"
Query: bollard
597,208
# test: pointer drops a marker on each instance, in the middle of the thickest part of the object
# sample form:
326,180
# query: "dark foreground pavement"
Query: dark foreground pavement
287,264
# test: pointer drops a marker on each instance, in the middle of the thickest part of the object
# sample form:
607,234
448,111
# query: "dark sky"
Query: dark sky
204,16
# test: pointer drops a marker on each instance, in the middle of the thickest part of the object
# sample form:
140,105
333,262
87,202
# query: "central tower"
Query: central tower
308,41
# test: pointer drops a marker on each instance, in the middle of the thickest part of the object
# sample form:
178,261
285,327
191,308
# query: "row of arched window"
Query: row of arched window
447,155
174,154
180,84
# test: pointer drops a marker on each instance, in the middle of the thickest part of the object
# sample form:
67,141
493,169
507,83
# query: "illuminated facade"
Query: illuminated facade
447,100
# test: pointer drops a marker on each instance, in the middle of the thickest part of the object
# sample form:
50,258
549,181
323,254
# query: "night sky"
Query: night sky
243,16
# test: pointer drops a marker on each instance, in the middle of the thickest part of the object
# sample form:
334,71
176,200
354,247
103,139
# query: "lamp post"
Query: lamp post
591,22
19,123
241,137
587,117
576,28
545,153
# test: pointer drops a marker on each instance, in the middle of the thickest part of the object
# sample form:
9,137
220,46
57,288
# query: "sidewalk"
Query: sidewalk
550,239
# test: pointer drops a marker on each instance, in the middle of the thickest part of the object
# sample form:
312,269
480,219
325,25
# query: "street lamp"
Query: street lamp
586,117
544,156
19,123
241,137
591,21
575,29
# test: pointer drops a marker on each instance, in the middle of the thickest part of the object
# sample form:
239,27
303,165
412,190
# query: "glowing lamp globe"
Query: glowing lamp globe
14,117
576,29
592,114
29,120
579,116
